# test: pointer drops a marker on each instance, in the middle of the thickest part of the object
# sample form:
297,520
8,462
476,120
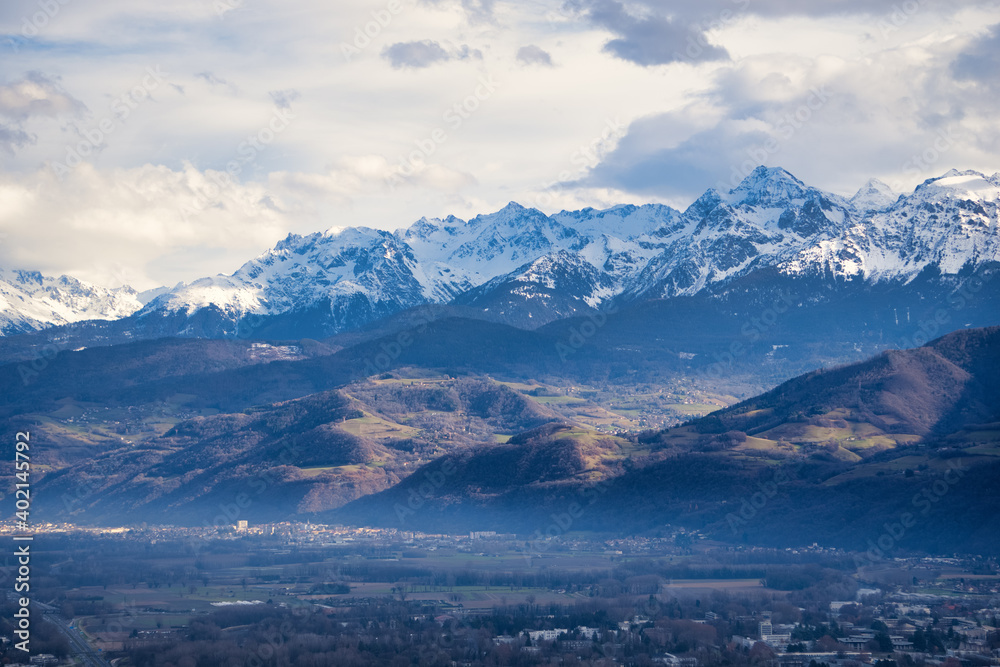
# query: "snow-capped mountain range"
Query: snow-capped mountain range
30,301
530,268
356,275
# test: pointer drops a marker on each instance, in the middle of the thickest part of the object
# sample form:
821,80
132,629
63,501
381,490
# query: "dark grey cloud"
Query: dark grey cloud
981,60
283,98
684,169
415,54
479,10
465,52
660,32
12,138
649,37
425,53
534,55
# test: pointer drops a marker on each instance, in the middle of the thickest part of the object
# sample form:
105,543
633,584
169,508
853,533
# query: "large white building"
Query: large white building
769,637
546,635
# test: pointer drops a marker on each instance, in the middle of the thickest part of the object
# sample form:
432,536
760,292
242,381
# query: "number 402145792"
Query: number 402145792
22,465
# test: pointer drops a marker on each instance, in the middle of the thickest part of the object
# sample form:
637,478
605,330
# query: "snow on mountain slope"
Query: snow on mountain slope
555,286
30,301
354,272
466,255
950,222
763,222
772,219
433,261
625,221
534,267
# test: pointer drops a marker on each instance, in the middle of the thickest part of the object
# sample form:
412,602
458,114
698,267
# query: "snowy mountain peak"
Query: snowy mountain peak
511,212
874,196
422,227
705,203
288,243
767,186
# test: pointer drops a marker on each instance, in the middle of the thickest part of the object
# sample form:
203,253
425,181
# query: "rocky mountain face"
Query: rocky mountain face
528,269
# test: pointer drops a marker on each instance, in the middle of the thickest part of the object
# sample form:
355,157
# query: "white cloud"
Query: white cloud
32,96
94,220
37,95
354,122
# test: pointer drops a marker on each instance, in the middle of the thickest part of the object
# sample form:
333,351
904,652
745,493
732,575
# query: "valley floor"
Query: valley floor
297,594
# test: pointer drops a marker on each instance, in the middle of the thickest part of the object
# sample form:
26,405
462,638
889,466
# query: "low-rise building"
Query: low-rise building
674,661
546,635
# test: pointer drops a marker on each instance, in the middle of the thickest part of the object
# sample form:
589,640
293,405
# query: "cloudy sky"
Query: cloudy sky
148,143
